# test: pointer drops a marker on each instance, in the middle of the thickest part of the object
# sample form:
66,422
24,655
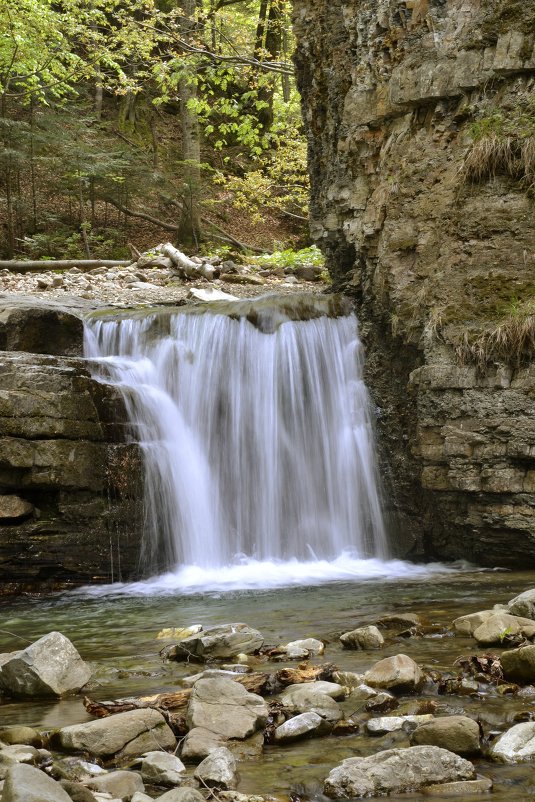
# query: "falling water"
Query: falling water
257,440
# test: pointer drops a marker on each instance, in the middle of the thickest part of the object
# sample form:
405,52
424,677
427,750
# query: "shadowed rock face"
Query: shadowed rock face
63,460
394,94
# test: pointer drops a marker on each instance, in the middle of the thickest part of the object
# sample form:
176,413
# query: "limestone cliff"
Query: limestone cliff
421,124
69,508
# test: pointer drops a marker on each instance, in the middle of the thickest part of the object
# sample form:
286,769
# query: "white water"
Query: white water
259,453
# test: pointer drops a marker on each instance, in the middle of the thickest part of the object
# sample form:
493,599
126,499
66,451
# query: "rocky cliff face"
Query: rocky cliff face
68,481
421,125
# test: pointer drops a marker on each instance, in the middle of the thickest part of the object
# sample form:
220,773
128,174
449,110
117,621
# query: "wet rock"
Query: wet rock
384,724
219,642
77,792
14,507
28,784
380,702
49,667
120,784
75,769
17,734
459,734
396,771
466,624
181,795
460,788
519,665
494,629
39,327
226,708
362,638
399,621
308,272
523,604
349,679
332,689
516,745
199,743
122,735
298,649
305,725
304,700
161,768
218,770
399,674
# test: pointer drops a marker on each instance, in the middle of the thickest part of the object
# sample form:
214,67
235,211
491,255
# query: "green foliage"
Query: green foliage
63,243
290,258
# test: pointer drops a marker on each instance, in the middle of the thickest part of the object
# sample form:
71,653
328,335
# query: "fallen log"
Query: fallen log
184,264
41,266
296,676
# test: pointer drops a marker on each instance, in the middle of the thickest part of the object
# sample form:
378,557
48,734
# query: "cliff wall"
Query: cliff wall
69,483
421,124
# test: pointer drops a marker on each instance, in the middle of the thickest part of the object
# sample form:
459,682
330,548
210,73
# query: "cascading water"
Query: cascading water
257,441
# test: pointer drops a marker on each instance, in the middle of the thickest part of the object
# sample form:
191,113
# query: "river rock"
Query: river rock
493,630
123,735
305,700
77,792
226,708
28,784
49,667
380,702
298,649
219,642
396,771
460,788
459,734
516,745
218,770
362,638
161,768
466,624
17,734
523,604
399,674
332,689
12,506
181,795
211,294
199,743
350,679
18,753
119,784
519,665
384,724
75,769
305,725
399,621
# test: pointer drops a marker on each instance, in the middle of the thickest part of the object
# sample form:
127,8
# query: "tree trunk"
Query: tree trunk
189,226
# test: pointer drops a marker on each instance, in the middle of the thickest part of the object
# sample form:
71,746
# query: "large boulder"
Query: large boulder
123,735
221,642
303,699
494,629
119,784
362,638
199,743
300,649
226,708
466,624
459,734
396,771
519,665
218,770
524,604
516,745
28,784
161,768
49,667
399,673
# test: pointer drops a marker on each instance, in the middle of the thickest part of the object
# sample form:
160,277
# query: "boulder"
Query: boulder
384,724
332,689
199,743
28,784
516,745
226,708
494,629
524,604
77,792
17,734
75,769
161,768
362,638
466,624
12,506
519,665
218,642
297,649
399,674
303,699
305,725
17,753
119,784
350,679
122,735
49,667
218,770
396,771
459,734
399,621
181,795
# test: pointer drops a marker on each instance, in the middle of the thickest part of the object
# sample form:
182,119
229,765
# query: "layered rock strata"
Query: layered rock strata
69,483
420,115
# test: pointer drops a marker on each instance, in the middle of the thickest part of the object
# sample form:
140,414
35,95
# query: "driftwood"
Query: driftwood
41,266
184,264
295,676
174,702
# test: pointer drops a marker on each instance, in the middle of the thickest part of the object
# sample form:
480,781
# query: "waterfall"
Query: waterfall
257,439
